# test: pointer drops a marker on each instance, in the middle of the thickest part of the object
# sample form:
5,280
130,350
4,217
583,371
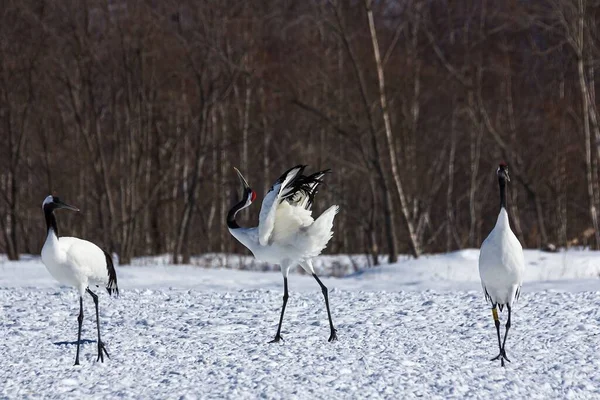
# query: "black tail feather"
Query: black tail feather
112,276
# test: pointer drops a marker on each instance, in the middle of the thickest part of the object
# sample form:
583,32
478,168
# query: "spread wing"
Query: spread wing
305,189
282,189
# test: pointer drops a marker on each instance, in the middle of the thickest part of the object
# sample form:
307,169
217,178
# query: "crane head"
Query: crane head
502,171
248,193
53,203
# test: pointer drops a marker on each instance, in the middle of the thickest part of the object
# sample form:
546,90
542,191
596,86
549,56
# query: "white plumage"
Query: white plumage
287,234
75,262
271,205
501,265
78,263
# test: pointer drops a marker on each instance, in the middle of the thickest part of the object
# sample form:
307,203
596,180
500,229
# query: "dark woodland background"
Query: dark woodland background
137,111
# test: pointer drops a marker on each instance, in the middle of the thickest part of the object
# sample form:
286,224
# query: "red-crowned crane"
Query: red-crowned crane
501,265
286,233
79,263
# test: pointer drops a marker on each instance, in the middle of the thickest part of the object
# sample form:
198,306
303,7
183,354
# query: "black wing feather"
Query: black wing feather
302,189
305,188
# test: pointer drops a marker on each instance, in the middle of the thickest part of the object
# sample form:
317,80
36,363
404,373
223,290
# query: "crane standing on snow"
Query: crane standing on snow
501,264
287,234
79,263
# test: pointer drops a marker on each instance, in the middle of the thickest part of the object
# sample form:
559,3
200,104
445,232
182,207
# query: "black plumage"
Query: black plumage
302,189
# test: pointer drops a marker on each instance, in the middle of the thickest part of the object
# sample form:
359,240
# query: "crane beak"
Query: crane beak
61,204
242,179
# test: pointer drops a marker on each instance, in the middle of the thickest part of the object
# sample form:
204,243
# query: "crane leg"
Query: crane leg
285,299
502,354
506,332
333,335
80,322
101,348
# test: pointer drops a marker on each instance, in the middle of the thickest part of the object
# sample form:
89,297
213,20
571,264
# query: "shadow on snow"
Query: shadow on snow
83,341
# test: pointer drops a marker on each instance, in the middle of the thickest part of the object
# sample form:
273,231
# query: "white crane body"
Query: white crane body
287,234
75,262
501,263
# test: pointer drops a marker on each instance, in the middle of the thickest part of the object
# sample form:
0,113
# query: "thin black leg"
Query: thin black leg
285,299
333,335
502,354
101,348
506,333
80,322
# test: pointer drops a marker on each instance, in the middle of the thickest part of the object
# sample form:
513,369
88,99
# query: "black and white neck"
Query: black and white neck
502,173
50,220
248,196
245,202
502,184
231,222
48,206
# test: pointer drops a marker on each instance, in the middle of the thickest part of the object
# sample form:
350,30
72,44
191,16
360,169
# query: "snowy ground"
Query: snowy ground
419,328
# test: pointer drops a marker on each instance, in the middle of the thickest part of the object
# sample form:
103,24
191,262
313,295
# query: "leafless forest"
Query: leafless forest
137,111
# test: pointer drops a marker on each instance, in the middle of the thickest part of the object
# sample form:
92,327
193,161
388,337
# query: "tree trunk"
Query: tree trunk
450,190
191,197
373,249
476,134
513,194
586,122
414,244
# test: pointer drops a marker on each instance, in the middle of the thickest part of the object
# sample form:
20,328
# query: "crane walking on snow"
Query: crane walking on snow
76,262
286,233
501,265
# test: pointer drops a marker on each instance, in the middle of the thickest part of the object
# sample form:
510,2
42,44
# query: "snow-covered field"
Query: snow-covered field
419,328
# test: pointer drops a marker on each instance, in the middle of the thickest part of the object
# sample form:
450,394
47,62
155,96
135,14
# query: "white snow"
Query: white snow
418,328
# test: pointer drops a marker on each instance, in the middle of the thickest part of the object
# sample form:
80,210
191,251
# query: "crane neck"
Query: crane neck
231,222
502,184
50,221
